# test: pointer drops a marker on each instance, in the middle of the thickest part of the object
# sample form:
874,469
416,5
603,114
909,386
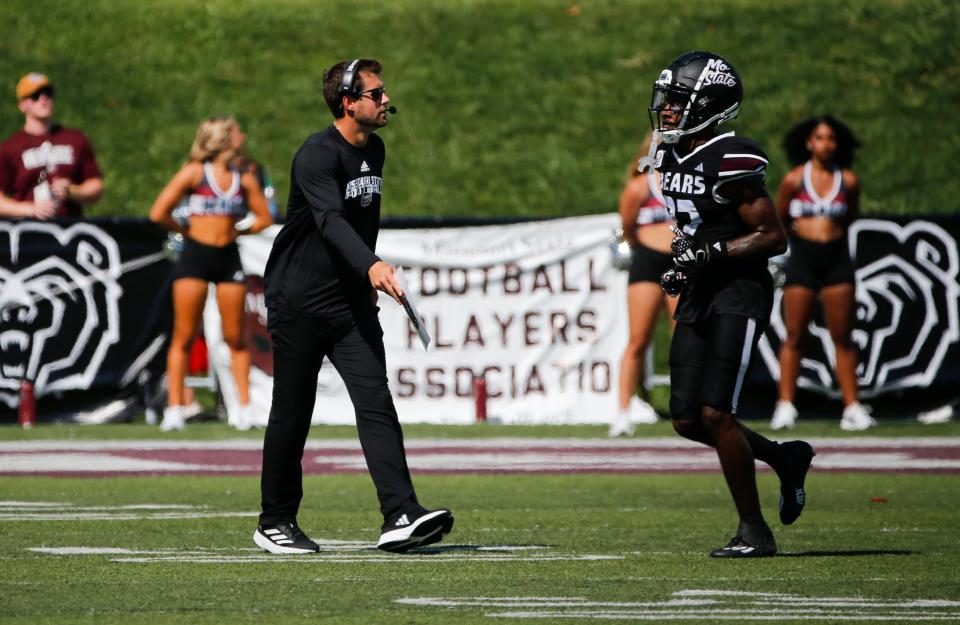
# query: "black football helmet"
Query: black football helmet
702,87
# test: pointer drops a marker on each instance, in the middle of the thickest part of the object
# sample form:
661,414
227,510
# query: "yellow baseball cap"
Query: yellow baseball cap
31,83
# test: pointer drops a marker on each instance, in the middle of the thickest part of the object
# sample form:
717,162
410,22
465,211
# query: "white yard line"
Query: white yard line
331,552
409,558
168,516
65,511
700,604
732,615
91,463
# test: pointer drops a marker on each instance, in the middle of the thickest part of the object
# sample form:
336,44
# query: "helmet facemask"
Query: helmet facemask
678,99
696,102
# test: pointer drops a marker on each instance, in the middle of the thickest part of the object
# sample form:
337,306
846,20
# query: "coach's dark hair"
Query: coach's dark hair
333,76
795,141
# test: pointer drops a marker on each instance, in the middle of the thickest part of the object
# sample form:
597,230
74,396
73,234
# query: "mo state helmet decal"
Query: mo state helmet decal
71,295
703,87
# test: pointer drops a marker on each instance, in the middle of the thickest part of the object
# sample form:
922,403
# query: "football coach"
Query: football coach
321,283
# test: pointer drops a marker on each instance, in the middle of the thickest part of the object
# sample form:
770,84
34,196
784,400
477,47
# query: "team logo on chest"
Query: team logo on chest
363,187
47,155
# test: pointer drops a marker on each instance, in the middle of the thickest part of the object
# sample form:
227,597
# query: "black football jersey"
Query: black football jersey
692,186
319,260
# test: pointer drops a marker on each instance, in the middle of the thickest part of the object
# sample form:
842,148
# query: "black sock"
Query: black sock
764,449
754,529
753,520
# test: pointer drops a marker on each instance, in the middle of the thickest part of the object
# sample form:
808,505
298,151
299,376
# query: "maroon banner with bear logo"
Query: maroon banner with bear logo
906,331
84,314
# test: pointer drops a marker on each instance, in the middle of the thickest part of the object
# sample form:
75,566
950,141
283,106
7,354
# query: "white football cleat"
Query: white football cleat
856,417
784,415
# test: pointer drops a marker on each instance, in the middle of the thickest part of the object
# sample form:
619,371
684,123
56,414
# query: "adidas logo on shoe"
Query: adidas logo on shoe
411,530
743,548
738,547
285,538
753,540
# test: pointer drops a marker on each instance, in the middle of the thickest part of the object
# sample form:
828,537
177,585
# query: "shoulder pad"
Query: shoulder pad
743,160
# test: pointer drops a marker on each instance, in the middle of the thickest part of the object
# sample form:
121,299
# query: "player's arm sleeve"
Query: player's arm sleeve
315,172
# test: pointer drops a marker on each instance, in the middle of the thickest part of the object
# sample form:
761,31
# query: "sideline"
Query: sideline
241,457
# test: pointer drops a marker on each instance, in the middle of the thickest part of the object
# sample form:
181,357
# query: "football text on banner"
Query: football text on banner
536,309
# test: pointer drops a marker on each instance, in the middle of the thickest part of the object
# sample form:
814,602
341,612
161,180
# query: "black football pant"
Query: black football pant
709,361
355,347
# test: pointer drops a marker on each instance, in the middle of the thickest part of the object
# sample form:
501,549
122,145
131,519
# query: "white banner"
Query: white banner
536,309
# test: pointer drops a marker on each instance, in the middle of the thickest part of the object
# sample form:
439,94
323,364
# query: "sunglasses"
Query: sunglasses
47,91
374,94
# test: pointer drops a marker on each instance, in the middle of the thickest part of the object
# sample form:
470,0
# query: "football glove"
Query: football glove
672,281
689,253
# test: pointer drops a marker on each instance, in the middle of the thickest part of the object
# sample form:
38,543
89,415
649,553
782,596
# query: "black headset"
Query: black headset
347,86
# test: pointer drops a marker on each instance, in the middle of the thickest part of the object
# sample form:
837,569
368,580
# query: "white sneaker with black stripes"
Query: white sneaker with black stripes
415,529
284,538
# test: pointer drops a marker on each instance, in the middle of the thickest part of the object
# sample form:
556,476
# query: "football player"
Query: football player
727,228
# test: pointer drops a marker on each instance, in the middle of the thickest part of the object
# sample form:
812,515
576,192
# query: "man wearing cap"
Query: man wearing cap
46,170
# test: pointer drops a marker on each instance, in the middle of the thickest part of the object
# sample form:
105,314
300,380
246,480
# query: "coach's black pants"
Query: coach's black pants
355,347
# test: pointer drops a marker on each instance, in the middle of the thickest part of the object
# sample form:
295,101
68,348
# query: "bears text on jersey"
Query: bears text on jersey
687,184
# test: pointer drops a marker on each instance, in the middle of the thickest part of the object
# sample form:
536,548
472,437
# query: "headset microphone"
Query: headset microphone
392,110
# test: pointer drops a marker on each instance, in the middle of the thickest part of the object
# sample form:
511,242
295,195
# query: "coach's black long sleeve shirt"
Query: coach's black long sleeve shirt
319,261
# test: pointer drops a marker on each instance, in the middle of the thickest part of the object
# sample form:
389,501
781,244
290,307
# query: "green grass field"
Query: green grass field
533,108
581,548
506,109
